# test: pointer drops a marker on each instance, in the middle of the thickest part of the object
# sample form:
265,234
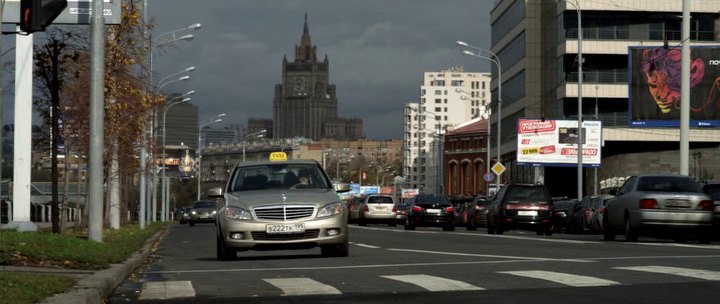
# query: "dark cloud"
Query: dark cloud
378,51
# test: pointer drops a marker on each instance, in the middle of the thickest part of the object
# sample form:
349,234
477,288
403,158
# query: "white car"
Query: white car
266,207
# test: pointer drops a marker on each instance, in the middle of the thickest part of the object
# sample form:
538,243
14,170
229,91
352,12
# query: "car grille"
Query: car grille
262,236
284,212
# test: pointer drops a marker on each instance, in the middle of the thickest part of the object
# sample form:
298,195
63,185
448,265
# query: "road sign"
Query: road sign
488,177
498,168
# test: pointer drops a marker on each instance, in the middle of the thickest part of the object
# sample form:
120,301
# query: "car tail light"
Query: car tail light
394,209
477,207
417,209
365,208
648,203
602,210
706,205
449,209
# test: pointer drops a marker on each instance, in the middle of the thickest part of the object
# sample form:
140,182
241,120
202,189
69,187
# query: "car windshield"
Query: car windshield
204,205
668,184
380,200
278,176
527,194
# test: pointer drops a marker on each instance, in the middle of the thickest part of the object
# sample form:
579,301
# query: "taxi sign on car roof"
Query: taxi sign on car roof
278,156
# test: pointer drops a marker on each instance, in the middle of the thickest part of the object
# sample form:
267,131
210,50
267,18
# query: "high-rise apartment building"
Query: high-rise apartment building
181,125
305,103
537,43
447,98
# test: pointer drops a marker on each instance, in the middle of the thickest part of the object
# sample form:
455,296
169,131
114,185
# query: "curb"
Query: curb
95,288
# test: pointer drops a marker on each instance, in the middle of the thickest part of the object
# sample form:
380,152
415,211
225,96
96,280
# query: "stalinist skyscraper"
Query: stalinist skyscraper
305,103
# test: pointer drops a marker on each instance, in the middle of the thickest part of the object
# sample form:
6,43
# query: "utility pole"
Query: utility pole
97,118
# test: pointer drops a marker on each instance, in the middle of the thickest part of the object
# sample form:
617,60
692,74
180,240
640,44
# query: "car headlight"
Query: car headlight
193,212
330,209
214,212
235,213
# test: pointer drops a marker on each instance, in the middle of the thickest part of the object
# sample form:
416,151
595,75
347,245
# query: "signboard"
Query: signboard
498,168
555,142
76,12
654,86
369,189
409,193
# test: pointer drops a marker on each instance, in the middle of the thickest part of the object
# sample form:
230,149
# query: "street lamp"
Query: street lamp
165,189
210,121
150,129
494,58
257,134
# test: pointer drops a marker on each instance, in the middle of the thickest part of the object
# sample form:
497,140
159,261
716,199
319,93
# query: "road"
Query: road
389,264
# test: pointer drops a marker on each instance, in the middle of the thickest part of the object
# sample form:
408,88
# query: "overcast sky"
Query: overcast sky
378,51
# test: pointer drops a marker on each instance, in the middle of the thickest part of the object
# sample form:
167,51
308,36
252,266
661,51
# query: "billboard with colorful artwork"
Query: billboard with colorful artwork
654,86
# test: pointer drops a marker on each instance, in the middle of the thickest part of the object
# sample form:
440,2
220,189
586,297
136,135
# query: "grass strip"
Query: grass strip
25,288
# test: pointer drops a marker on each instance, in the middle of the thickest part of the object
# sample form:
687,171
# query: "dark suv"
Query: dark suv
521,206
430,210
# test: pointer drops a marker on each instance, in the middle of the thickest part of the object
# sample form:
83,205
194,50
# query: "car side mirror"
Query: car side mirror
342,188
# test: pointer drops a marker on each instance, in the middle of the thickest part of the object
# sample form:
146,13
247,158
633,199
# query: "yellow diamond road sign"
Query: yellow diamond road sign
498,168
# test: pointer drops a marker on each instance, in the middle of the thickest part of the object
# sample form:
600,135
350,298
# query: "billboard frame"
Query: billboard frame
548,143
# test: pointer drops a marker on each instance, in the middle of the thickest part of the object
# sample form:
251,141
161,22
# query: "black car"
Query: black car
476,212
563,206
521,206
434,210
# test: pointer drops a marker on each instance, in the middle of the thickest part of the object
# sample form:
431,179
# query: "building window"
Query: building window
438,100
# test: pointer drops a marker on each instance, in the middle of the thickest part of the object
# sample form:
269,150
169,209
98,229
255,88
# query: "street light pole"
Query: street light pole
257,134
580,112
495,59
213,120
165,183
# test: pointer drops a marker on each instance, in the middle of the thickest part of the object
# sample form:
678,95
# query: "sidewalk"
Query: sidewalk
92,286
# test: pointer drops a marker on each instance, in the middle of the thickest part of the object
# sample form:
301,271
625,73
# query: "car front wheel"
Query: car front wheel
631,234
335,250
223,252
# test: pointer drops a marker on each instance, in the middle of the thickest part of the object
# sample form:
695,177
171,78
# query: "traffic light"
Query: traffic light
36,15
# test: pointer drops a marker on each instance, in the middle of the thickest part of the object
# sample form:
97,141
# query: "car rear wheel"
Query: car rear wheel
448,227
471,225
223,252
191,223
631,234
335,250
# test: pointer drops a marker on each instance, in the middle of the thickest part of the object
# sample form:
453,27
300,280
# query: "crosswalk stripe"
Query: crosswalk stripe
167,290
432,283
685,272
302,286
563,278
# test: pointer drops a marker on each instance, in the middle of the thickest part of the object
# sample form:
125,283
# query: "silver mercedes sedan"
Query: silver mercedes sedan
281,204
662,205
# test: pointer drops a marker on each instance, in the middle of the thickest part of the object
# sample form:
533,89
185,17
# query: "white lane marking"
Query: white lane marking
432,283
167,290
302,286
563,278
685,272
489,255
674,245
365,245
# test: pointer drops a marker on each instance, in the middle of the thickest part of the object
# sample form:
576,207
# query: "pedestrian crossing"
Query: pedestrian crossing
302,286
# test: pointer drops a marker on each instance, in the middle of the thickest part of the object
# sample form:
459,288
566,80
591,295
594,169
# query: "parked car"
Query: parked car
377,208
572,218
597,212
713,189
402,208
202,212
258,216
433,210
475,212
659,204
521,206
560,215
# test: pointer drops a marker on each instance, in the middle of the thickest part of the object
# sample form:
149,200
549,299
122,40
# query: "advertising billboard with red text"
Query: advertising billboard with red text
654,83
555,142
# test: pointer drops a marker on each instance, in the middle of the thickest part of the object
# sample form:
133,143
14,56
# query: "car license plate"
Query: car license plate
527,213
285,228
433,211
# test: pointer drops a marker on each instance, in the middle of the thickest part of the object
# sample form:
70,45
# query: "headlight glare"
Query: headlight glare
330,209
234,213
